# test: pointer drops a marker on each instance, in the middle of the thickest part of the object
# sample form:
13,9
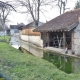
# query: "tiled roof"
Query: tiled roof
16,26
30,25
66,21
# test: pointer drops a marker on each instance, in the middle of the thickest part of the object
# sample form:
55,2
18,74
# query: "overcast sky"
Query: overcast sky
22,18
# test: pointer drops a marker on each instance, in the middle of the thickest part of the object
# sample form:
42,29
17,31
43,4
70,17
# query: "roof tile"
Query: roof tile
64,21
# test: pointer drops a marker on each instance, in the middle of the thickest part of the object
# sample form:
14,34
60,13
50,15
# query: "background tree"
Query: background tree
34,7
62,6
5,9
77,5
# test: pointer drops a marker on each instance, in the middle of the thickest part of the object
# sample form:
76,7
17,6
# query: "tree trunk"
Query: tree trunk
38,12
3,24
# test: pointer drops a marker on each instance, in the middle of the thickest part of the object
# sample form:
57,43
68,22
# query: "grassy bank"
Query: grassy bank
15,65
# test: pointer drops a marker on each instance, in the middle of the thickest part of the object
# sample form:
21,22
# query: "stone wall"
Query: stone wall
36,51
33,39
77,40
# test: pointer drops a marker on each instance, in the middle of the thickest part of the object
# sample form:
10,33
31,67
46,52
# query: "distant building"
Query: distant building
27,34
14,34
8,32
62,31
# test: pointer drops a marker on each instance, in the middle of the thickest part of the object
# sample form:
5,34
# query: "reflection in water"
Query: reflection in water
32,49
62,62
76,65
66,64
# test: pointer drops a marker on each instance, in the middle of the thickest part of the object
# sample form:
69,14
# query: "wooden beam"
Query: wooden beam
47,38
72,41
64,40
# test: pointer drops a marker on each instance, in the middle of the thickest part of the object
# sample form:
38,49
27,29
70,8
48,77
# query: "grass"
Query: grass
15,65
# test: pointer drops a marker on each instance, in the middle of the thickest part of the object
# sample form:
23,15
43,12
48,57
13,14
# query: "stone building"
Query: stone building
14,34
27,34
62,31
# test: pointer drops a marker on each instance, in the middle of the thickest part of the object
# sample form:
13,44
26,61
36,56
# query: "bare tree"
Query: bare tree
62,5
77,5
33,7
5,9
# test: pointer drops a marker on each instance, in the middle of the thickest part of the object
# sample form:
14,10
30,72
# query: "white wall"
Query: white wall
12,32
32,48
33,39
77,40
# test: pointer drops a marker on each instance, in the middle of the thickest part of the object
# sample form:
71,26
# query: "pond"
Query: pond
66,64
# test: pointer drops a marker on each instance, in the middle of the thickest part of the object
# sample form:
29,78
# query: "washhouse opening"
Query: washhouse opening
56,39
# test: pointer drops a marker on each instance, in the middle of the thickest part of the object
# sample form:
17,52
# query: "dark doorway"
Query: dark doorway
55,39
68,39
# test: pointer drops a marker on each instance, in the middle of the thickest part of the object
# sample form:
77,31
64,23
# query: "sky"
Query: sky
17,18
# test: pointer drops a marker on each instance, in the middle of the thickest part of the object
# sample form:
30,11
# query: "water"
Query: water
66,64
15,42
61,62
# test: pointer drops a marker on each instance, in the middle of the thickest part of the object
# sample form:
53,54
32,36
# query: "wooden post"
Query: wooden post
47,38
64,40
72,41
